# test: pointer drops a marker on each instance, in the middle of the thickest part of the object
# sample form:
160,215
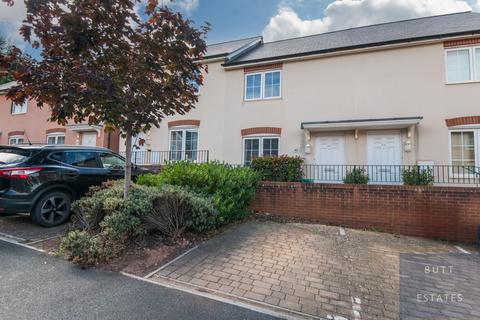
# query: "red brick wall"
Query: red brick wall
449,213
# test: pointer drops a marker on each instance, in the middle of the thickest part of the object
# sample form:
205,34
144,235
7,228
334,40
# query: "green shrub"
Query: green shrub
90,210
231,189
104,222
356,176
283,168
176,209
83,248
417,176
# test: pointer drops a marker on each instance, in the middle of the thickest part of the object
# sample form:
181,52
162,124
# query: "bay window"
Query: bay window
183,144
259,147
263,85
463,64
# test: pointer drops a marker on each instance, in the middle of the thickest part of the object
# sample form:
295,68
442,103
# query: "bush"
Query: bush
283,168
231,189
176,209
356,176
416,176
104,222
83,248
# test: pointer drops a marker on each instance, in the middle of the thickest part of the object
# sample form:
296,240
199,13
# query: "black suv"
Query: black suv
44,180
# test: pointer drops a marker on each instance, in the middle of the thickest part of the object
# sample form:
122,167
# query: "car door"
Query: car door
114,164
85,169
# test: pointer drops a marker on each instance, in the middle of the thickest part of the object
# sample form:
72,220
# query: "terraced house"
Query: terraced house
27,123
400,93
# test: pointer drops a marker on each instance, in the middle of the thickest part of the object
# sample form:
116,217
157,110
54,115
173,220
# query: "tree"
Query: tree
101,63
5,75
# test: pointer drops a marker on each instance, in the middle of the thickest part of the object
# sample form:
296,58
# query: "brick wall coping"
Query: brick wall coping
372,187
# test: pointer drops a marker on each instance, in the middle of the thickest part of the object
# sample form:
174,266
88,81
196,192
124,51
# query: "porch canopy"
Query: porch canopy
362,124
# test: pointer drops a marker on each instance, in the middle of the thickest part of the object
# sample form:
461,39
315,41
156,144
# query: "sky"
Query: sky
277,19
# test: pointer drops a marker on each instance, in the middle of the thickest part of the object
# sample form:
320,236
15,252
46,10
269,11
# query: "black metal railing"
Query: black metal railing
393,174
161,157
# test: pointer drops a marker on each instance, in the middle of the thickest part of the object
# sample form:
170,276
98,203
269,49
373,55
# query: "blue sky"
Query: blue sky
279,19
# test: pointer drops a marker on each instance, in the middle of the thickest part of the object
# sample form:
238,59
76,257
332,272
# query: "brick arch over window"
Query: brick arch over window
462,121
16,133
261,130
56,130
178,123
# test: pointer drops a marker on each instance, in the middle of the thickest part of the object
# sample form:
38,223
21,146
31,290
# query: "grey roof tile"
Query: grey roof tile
225,48
374,35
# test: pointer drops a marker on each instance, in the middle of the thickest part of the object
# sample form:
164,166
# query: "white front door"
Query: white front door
329,158
384,156
89,139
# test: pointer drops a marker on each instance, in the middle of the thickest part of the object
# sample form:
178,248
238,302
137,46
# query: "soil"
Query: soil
150,254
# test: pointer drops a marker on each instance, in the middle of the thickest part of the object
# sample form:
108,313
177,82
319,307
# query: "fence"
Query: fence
393,174
161,157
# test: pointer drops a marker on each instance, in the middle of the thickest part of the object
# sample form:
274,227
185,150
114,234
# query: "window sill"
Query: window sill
263,99
462,82
18,113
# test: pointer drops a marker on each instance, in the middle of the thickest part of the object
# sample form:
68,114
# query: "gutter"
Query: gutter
351,49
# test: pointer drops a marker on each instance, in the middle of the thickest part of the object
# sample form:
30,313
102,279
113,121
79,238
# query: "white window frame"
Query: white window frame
262,85
473,67
260,145
56,135
184,131
21,107
16,138
476,137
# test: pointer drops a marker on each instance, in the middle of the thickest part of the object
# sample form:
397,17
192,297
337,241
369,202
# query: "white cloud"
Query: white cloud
341,14
10,21
477,5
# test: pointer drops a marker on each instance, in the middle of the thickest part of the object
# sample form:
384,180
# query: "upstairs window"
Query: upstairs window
19,108
463,65
263,85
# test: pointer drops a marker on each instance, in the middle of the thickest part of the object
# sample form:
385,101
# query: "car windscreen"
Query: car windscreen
13,155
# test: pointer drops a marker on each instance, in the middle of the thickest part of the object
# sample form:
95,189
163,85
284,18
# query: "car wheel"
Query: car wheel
52,209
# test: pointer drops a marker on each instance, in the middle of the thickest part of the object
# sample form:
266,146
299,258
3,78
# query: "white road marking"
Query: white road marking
12,241
9,236
46,239
356,307
170,262
234,300
342,232
462,250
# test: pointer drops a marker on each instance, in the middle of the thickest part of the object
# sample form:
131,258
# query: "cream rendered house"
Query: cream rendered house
398,93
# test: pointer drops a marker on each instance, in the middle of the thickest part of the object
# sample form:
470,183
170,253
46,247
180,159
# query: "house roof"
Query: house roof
4,87
225,48
435,27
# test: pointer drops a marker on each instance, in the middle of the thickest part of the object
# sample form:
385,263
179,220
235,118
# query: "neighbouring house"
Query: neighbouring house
399,93
27,123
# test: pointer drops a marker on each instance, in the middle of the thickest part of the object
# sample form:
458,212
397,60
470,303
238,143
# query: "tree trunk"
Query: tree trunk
128,163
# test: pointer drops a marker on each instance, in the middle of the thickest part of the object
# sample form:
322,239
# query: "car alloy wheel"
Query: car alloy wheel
54,209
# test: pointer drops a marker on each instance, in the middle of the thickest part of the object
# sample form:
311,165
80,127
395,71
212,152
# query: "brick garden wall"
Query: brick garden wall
449,213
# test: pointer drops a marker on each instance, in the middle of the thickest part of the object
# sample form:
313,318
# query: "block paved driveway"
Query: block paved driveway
311,269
